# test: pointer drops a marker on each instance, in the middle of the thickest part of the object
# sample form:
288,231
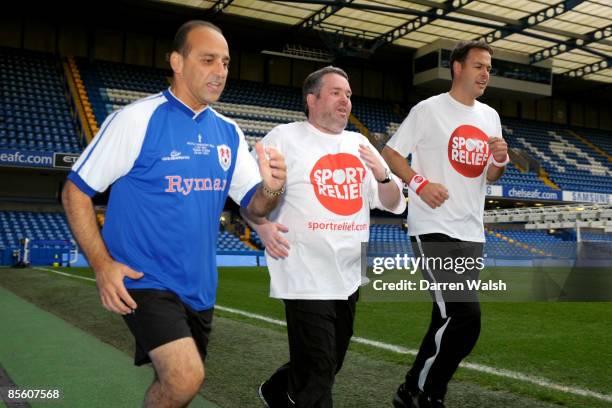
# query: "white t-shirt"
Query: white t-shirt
448,142
326,207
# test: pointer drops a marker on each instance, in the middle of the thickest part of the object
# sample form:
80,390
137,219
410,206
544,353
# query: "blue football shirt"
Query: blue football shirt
171,169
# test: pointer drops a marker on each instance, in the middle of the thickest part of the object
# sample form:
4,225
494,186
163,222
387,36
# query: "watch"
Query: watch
387,177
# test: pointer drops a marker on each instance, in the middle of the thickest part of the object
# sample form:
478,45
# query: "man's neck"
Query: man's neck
323,129
461,97
186,98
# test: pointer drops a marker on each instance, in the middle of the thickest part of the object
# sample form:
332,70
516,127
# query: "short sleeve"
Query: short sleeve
112,152
407,136
246,176
373,197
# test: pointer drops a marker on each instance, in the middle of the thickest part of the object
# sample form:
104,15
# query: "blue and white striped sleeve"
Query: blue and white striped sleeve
112,152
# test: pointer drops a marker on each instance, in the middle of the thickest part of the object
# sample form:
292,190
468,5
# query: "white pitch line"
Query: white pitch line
514,375
70,275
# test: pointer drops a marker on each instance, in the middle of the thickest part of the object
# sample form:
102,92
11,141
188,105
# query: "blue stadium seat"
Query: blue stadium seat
570,163
32,89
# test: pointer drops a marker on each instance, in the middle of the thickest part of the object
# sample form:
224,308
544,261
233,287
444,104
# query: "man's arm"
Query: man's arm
433,194
273,174
276,245
388,193
494,173
499,152
109,273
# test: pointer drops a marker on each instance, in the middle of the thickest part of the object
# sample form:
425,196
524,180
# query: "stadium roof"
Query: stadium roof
575,34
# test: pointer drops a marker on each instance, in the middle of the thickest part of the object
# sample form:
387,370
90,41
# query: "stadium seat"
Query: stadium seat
34,104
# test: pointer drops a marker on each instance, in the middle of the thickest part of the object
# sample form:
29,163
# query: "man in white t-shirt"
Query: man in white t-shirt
334,178
456,147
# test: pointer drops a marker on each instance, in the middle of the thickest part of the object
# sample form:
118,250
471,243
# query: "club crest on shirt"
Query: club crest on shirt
225,156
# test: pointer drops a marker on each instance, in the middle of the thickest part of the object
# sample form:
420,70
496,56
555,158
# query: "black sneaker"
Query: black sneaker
262,397
437,403
404,398
269,398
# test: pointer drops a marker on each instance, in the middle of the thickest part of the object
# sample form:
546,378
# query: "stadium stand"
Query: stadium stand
256,107
229,242
514,176
111,86
47,226
16,225
599,138
596,236
570,163
500,243
525,243
551,231
255,239
375,114
562,216
388,238
35,112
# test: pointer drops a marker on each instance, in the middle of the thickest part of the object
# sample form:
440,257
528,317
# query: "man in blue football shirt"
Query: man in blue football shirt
172,161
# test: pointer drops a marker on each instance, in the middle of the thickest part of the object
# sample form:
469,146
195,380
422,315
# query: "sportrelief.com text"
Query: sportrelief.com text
337,226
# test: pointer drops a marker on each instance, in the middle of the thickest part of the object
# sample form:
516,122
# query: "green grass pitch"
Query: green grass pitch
566,343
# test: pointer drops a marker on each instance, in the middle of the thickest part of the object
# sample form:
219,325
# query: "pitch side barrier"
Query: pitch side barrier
241,258
41,253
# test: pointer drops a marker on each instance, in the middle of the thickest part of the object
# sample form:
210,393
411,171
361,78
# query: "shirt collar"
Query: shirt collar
181,106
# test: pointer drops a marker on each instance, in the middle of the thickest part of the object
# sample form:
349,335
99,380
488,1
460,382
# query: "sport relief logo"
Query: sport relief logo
468,151
337,182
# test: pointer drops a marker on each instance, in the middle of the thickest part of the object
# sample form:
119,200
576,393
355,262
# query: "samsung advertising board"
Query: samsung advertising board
585,197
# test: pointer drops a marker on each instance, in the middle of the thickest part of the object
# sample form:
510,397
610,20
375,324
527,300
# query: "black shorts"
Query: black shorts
161,317
467,260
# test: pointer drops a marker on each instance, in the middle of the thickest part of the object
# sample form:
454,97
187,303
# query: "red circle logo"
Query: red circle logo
468,150
337,182
418,179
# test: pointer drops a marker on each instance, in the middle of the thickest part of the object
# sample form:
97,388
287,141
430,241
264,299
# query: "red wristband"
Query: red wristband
417,183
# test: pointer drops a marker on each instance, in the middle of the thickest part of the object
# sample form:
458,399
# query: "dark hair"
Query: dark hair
314,81
463,48
180,43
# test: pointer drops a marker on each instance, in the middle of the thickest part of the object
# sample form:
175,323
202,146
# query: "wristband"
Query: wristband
417,183
500,164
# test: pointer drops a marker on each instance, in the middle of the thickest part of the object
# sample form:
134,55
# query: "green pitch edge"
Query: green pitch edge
41,351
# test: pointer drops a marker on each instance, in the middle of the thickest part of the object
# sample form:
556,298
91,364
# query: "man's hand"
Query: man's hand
272,167
112,291
270,233
434,194
370,159
498,148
